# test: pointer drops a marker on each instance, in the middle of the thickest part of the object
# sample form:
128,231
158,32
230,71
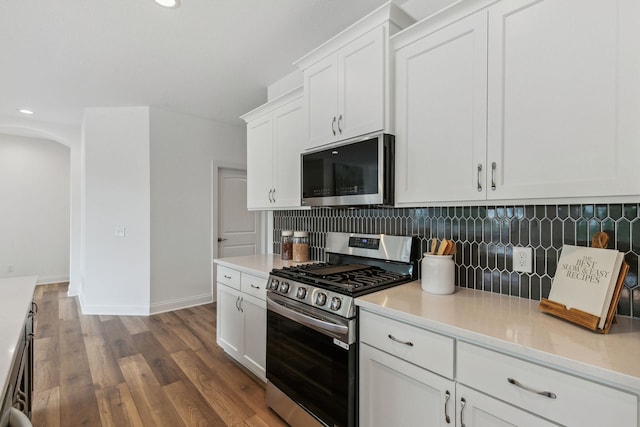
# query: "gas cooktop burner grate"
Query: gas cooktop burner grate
348,277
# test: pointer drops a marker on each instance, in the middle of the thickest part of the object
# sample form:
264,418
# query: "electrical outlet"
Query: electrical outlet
120,231
523,259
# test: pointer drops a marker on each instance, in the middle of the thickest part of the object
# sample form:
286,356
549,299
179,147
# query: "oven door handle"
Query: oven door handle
312,322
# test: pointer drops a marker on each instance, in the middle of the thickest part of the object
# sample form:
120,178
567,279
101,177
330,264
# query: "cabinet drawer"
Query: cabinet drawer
253,285
228,276
429,350
577,401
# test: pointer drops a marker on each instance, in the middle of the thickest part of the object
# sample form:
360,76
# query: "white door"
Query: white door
564,85
238,228
441,107
288,135
321,101
361,85
474,409
394,392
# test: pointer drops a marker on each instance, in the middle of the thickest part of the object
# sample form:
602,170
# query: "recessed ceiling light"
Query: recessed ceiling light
168,3
25,111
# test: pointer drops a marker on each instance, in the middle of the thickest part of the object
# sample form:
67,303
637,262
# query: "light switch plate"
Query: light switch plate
522,259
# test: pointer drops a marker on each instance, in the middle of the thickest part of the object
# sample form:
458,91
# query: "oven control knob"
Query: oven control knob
321,298
301,293
335,303
274,284
284,287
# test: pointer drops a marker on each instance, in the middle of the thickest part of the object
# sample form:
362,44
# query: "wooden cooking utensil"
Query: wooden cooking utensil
600,240
434,245
443,247
451,248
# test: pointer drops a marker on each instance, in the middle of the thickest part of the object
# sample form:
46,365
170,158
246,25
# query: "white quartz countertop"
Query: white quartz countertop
516,326
259,265
16,295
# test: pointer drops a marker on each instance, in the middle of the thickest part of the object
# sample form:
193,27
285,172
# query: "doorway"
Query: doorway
236,231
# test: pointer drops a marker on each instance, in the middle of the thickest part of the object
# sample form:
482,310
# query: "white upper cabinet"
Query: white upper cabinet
564,98
275,133
441,109
521,100
346,91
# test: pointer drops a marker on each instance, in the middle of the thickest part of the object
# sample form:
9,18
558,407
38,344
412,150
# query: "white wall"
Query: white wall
34,218
70,137
182,150
115,270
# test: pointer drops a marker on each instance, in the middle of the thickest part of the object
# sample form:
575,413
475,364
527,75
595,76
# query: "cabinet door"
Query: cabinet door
255,335
474,409
288,135
441,84
361,88
321,102
564,98
397,393
259,163
230,321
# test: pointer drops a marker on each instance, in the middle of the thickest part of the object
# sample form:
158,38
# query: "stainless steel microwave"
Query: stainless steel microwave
358,171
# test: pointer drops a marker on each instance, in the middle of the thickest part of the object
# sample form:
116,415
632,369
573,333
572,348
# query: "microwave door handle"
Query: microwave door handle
312,322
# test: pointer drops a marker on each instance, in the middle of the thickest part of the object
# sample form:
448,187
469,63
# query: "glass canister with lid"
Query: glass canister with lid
300,246
286,245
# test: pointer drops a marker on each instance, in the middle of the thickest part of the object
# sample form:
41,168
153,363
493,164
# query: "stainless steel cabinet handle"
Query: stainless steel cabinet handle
447,396
270,198
479,170
240,305
333,126
339,120
463,402
493,178
254,286
392,338
220,239
516,383
274,195
227,277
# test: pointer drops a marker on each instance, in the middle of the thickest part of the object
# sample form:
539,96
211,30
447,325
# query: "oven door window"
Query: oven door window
313,371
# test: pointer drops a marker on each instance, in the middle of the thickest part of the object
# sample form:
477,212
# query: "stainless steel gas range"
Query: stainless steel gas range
312,325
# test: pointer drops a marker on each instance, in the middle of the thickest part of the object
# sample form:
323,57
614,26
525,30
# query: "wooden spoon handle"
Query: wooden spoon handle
443,247
600,240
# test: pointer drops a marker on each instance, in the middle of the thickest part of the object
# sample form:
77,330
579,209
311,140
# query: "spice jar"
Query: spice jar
301,246
286,245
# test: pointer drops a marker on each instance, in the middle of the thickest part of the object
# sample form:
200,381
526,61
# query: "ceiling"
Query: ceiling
208,58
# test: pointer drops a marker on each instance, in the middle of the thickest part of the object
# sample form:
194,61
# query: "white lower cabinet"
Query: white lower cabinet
474,409
403,372
394,392
242,322
405,380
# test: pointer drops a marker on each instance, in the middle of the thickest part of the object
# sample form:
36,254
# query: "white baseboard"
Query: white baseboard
179,303
47,280
112,310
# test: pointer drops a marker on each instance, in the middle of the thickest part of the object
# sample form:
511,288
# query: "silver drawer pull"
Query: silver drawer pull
447,396
254,286
227,277
524,387
392,338
463,403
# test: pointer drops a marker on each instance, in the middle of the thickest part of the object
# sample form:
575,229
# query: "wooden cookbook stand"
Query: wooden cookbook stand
581,318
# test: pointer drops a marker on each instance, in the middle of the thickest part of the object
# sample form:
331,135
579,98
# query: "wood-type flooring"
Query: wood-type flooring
159,370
